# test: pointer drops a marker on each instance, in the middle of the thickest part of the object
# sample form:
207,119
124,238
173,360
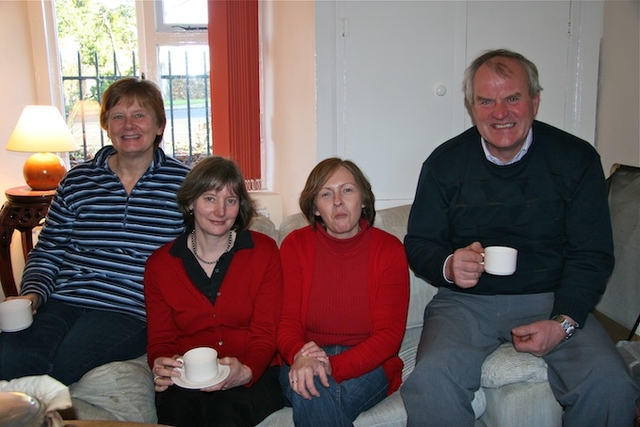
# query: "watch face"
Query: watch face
566,325
568,328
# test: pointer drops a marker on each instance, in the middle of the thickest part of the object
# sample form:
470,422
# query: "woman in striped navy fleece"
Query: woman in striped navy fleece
84,277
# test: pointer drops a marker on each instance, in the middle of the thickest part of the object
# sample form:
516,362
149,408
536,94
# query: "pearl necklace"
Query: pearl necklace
195,252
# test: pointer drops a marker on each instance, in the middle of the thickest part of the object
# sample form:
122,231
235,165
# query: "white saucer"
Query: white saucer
223,373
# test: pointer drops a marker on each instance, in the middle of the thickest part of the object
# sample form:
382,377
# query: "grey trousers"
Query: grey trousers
586,373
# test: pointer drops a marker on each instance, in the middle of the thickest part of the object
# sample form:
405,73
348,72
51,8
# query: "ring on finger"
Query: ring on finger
156,377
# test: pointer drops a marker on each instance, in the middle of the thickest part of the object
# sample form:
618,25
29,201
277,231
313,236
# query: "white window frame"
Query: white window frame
43,27
46,60
178,27
149,38
49,81
45,53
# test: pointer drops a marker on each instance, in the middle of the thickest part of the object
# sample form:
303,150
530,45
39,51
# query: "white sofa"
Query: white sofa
514,391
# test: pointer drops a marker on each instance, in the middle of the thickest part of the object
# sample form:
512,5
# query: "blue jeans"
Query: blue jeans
65,342
339,404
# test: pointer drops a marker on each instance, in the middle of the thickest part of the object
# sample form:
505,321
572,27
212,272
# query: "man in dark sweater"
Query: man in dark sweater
513,181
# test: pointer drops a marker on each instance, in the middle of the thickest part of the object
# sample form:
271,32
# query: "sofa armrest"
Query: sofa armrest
118,390
507,366
522,404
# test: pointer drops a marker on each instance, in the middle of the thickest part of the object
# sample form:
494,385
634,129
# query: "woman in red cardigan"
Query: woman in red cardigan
346,295
218,285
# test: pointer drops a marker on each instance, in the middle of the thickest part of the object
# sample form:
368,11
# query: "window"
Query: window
174,52
172,37
98,43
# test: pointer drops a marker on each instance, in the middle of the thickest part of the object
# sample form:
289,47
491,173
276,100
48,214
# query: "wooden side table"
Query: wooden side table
24,209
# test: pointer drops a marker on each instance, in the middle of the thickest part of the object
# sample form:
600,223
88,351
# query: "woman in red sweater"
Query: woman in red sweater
346,295
218,285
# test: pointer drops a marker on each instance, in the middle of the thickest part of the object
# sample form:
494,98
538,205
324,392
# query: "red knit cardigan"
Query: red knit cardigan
241,324
388,275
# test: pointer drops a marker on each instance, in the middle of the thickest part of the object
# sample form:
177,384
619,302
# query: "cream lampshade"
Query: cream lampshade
42,130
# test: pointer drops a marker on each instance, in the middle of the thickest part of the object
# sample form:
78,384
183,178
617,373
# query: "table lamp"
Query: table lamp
42,130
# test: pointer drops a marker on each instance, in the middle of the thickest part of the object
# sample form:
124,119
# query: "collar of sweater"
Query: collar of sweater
343,245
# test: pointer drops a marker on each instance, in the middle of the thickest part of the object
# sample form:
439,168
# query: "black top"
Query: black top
209,286
551,206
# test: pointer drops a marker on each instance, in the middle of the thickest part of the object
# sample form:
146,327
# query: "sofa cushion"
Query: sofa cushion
630,351
289,224
507,366
264,225
523,404
388,413
394,220
123,389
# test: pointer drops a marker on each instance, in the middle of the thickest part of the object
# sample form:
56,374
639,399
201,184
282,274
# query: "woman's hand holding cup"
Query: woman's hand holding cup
164,368
239,375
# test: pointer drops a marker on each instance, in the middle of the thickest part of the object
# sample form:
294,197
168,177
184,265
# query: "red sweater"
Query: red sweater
241,324
388,289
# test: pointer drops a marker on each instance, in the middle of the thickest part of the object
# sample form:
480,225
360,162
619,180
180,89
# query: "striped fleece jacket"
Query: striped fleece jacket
96,238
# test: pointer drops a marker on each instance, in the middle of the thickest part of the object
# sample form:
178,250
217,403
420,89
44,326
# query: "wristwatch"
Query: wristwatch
569,328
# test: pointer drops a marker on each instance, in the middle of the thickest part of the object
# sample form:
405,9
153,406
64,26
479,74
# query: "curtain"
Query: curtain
235,82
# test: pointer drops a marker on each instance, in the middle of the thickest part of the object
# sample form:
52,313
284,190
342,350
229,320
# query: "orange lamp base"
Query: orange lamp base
43,171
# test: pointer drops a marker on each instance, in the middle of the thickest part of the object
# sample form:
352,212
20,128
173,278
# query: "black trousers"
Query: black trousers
238,406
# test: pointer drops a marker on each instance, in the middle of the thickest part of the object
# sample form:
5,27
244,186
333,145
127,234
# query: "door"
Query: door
389,75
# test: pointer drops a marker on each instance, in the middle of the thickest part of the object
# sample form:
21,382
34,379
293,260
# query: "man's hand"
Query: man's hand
538,338
464,268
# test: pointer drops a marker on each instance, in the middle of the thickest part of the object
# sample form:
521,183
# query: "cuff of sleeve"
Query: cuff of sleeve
443,269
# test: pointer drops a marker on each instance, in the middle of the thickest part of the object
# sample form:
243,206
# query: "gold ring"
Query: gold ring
156,377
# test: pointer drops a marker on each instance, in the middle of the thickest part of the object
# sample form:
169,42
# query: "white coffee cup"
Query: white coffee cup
199,364
500,260
15,315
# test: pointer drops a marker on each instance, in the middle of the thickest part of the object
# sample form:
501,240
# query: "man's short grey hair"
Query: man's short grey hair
491,58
